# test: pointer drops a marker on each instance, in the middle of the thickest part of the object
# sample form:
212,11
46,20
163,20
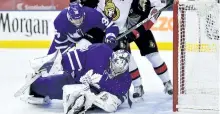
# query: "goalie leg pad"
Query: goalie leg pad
107,102
51,63
77,96
36,100
77,105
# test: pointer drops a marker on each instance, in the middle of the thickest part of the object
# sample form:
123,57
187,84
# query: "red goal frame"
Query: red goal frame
175,55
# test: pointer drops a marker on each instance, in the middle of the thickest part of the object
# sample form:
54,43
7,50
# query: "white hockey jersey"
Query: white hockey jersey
133,17
118,10
158,3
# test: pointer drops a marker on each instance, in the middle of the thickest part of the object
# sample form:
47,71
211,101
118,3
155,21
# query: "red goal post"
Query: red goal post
196,57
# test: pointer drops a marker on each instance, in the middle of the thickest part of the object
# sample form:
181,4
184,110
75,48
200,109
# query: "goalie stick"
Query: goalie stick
169,3
38,74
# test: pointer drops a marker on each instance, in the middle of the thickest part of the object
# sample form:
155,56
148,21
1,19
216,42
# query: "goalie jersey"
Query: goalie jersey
96,57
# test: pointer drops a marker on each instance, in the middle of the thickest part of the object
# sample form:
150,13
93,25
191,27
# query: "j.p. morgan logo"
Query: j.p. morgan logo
26,26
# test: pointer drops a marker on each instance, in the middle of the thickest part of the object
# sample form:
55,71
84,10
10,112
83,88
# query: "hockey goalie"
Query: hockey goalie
83,78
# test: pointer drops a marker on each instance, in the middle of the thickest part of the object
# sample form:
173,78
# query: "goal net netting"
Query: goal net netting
196,55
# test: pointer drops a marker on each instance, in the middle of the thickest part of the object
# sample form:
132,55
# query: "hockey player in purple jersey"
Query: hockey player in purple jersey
74,22
92,76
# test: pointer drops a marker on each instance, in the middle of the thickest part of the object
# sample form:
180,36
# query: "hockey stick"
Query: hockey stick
46,66
169,3
129,99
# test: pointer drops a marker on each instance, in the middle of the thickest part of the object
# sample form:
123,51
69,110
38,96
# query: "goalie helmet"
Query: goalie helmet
119,62
75,13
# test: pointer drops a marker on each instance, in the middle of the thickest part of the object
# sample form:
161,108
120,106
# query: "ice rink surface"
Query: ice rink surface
14,64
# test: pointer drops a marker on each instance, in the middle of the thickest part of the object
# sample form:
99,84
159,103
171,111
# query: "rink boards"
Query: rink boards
34,29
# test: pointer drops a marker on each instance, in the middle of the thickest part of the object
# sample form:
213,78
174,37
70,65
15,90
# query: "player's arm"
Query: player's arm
146,9
110,28
61,39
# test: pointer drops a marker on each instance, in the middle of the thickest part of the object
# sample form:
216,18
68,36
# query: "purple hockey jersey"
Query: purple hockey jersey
67,33
96,57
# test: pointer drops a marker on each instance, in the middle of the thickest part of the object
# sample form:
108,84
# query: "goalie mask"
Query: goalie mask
119,62
75,13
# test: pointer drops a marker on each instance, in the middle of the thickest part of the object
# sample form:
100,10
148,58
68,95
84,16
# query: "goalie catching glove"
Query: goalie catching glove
78,99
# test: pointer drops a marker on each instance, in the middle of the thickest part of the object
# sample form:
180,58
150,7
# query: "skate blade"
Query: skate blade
21,91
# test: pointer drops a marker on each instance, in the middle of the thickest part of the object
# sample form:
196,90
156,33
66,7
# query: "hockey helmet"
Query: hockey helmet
75,13
119,62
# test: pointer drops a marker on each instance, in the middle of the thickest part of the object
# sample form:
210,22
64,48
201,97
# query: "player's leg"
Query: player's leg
136,78
133,69
50,81
46,88
51,85
148,48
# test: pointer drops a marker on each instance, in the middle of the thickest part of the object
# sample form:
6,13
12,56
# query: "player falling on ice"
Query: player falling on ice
74,22
82,78
143,37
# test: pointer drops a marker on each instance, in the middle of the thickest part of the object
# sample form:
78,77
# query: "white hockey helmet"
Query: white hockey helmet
119,62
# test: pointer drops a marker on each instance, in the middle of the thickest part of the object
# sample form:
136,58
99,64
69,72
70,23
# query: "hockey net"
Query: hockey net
196,71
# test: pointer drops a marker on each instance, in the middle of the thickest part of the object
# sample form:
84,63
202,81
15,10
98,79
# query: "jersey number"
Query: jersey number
105,21
57,34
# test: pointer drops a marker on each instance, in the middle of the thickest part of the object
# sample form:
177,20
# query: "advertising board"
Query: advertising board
34,29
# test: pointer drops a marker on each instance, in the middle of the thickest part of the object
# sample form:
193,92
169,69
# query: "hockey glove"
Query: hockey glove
86,79
111,41
132,36
91,79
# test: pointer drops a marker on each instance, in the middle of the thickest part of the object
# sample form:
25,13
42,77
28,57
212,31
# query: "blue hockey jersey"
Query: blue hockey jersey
67,33
96,57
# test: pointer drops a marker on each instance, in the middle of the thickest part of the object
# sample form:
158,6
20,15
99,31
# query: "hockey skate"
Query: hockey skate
168,87
138,93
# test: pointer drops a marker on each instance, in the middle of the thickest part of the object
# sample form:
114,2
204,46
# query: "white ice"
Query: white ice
14,64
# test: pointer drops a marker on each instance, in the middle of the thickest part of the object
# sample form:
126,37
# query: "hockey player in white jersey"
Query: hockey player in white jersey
117,10
144,39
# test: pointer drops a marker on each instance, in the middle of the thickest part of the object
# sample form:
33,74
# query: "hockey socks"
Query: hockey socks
159,66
